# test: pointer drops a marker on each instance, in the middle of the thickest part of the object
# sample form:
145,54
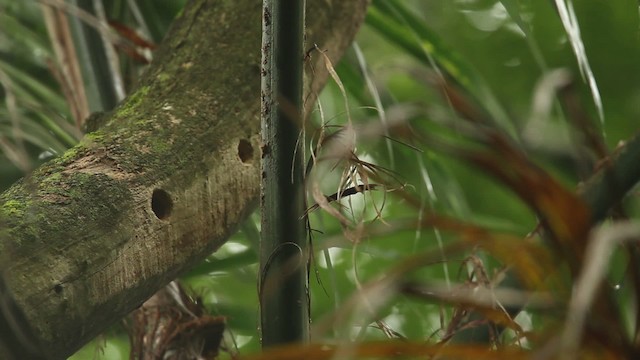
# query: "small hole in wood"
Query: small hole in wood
161,204
245,151
58,288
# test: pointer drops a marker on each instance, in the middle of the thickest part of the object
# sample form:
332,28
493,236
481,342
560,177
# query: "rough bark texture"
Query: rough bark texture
91,235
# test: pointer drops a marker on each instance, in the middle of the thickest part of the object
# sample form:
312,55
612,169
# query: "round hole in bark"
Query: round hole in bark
161,204
245,151
58,288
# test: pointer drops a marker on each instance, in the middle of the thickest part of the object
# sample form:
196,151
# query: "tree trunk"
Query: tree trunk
92,234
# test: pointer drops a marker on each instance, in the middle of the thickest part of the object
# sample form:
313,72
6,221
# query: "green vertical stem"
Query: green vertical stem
284,301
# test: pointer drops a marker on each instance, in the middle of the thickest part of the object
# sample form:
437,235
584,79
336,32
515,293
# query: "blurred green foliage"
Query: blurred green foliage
497,53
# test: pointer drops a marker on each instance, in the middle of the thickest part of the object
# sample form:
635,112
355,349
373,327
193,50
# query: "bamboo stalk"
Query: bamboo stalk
284,301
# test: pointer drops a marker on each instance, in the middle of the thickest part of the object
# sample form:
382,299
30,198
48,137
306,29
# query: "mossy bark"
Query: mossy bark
175,169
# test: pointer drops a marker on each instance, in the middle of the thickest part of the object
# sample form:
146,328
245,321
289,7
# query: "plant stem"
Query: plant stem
284,302
97,75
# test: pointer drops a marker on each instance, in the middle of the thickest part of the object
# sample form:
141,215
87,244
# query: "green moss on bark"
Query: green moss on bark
63,206
130,107
12,208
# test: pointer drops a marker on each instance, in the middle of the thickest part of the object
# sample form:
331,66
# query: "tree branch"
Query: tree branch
92,234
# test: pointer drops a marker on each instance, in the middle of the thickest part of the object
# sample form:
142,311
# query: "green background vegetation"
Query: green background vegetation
496,52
